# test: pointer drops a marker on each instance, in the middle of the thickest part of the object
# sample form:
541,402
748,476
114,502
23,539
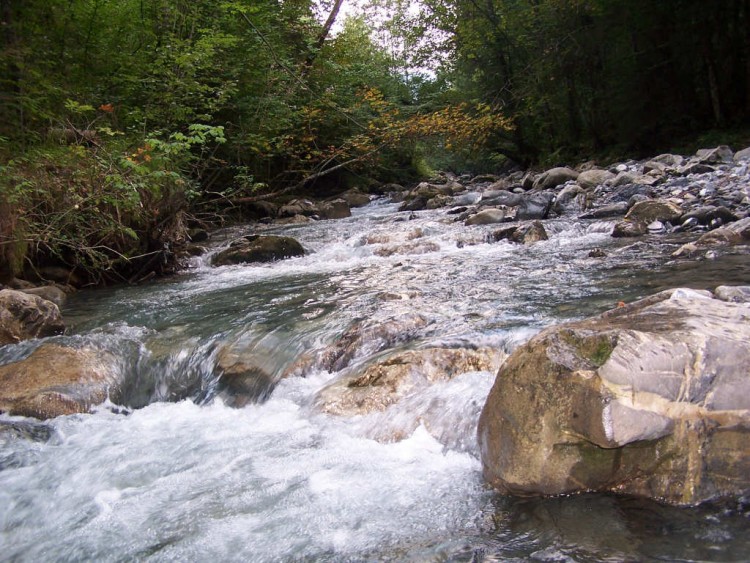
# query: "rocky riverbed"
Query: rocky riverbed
608,307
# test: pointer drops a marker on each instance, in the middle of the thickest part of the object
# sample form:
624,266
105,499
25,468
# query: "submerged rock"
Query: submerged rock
256,248
57,380
387,382
243,376
24,316
650,399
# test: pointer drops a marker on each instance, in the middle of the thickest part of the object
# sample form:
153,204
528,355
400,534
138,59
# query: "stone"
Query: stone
719,155
695,168
488,217
554,177
256,248
707,213
50,293
521,234
592,178
355,198
734,233
649,399
335,209
243,376
295,207
669,160
24,316
439,201
386,382
654,210
607,211
414,204
742,156
627,228
468,198
501,197
362,339
58,380
198,235
535,206
733,293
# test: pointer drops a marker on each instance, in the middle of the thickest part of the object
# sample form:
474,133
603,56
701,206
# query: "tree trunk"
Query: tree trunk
322,36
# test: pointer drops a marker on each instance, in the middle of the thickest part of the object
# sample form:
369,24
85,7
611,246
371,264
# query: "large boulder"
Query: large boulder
256,248
554,177
387,382
24,316
57,380
742,156
651,399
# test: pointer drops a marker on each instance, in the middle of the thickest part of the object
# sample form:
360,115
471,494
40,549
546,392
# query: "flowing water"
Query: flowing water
174,474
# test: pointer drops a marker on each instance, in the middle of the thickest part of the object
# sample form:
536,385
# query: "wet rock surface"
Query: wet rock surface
59,380
388,381
256,248
650,399
24,316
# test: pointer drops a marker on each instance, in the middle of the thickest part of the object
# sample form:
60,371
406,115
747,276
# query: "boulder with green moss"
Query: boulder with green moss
651,399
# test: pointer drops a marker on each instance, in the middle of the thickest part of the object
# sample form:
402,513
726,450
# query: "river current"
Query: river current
174,474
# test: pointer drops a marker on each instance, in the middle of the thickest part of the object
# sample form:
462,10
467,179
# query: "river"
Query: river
174,474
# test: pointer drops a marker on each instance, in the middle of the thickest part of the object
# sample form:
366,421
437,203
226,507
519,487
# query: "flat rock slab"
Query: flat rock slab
650,399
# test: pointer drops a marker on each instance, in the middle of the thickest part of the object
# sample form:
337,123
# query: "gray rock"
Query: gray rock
468,198
733,293
742,156
257,248
650,399
488,217
554,177
50,293
719,155
669,160
501,197
24,316
695,168
606,211
707,213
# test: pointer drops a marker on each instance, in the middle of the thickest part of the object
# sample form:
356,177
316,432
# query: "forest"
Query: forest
125,123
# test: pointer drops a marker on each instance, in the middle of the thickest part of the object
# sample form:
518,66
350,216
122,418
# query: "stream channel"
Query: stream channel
174,474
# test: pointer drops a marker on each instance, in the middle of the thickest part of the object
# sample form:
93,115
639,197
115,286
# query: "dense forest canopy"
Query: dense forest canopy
132,112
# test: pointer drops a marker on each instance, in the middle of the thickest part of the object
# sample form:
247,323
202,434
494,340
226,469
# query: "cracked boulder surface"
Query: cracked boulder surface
651,399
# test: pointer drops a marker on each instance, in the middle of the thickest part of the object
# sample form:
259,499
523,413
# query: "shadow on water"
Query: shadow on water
598,527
